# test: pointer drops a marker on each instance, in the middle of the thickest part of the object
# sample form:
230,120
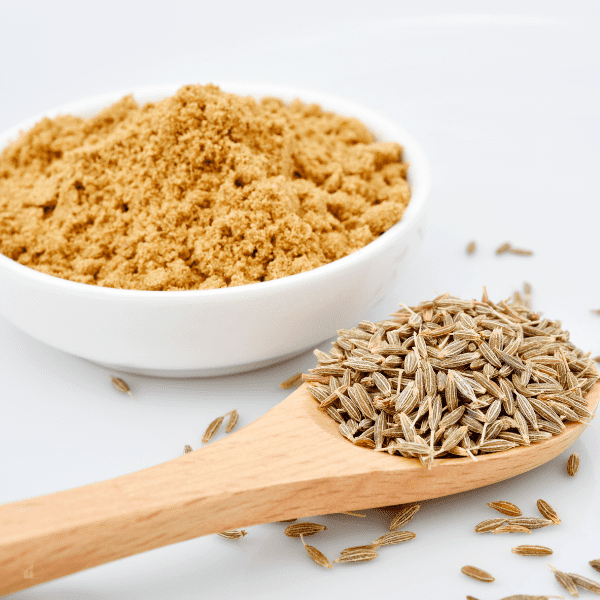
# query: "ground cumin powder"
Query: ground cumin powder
201,190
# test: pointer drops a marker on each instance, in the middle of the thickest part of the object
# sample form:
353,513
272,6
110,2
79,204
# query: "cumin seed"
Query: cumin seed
506,508
316,555
211,430
478,574
403,516
511,529
587,584
234,534
489,525
232,421
393,537
304,528
548,512
121,386
357,554
520,251
573,464
292,381
532,550
565,580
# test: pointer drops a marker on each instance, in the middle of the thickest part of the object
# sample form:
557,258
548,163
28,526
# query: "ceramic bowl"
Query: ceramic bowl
213,332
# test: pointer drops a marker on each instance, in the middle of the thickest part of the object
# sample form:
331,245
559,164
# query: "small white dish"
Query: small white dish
203,333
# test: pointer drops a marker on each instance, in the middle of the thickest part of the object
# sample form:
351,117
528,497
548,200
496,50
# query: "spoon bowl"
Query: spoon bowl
291,462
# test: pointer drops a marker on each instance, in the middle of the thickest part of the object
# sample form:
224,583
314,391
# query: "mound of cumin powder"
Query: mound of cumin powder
201,190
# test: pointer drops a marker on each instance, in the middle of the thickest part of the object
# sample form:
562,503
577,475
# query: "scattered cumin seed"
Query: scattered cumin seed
596,359
511,529
587,584
596,311
489,525
234,534
211,430
471,598
471,247
478,574
187,448
548,512
520,251
316,555
353,548
393,537
503,248
530,522
573,464
121,386
232,421
357,554
403,516
565,580
532,550
527,597
506,508
288,521
291,381
304,528
595,564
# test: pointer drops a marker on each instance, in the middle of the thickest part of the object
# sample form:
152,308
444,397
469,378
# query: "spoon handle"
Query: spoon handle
244,479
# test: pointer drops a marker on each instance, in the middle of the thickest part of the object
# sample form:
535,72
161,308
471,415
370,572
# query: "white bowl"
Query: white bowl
212,332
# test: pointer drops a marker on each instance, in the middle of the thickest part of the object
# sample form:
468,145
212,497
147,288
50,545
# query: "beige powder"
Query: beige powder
201,190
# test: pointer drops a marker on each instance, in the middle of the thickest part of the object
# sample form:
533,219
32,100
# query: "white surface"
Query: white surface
189,334
505,104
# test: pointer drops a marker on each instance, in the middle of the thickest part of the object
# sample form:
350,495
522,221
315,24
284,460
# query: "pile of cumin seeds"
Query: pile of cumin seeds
453,377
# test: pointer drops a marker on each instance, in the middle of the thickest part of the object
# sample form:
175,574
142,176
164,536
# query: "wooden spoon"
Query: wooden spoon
292,462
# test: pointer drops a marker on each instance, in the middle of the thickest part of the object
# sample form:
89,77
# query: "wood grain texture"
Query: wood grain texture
292,462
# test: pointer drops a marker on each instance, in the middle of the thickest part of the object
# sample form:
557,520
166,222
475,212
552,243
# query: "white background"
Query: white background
504,97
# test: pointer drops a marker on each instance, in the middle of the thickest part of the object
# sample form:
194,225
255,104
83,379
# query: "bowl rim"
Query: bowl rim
420,189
